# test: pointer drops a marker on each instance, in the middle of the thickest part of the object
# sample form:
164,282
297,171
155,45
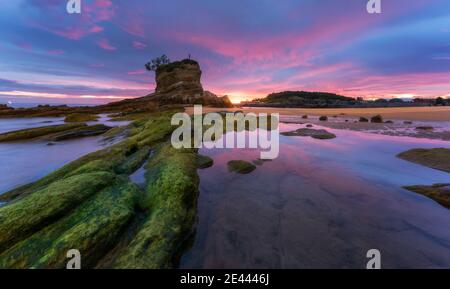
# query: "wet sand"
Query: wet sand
401,121
440,113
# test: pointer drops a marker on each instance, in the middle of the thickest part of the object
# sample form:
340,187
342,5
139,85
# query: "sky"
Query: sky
246,48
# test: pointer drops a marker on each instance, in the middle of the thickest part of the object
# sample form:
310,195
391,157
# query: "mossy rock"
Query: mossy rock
134,161
142,133
89,204
376,119
81,117
171,200
79,132
204,162
31,133
92,228
437,158
363,119
241,167
438,192
314,133
21,218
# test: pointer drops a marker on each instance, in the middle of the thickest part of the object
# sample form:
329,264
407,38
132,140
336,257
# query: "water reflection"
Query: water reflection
24,162
321,204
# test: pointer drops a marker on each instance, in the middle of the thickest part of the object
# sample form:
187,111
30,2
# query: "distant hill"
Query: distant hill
303,99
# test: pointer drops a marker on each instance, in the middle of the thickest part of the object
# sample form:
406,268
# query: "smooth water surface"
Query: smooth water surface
321,204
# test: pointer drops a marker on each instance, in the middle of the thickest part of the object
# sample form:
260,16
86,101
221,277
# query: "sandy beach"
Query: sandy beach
435,113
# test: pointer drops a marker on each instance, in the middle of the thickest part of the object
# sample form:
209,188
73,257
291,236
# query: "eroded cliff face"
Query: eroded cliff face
180,83
179,77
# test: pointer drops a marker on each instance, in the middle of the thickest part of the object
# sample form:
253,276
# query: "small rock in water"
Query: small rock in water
407,122
377,119
305,116
388,121
363,119
309,125
241,167
425,127
51,144
314,133
204,162
323,118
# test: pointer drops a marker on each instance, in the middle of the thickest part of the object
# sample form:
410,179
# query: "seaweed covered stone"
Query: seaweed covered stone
438,192
314,133
204,162
241,167
436,158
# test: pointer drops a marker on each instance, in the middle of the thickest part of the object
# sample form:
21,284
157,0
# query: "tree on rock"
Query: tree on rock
157,62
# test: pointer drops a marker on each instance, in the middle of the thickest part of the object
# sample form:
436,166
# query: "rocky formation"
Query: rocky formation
177,83
314,133
436,158
240,167
180,83
438,192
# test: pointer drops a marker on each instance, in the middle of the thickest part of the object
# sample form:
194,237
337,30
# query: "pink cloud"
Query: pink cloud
96,29
104,43
97,65
139,45
137,72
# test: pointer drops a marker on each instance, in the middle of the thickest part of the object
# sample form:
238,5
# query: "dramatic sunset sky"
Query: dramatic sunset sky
246,48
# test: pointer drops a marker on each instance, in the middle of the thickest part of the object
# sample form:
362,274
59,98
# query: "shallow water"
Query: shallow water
12,124
321,204
25,162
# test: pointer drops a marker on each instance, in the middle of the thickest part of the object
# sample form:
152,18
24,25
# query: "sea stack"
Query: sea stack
179,82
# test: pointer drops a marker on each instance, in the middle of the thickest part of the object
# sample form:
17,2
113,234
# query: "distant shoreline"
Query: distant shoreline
427,113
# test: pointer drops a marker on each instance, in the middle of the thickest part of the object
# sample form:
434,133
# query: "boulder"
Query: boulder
377,119
241,167
363,119
314,133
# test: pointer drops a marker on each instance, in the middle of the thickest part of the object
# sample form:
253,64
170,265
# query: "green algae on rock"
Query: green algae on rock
31,133
81,117
20,219
92,228
438,192
170,199
89,204
436,158
84,131
204,162
241,167
314,133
